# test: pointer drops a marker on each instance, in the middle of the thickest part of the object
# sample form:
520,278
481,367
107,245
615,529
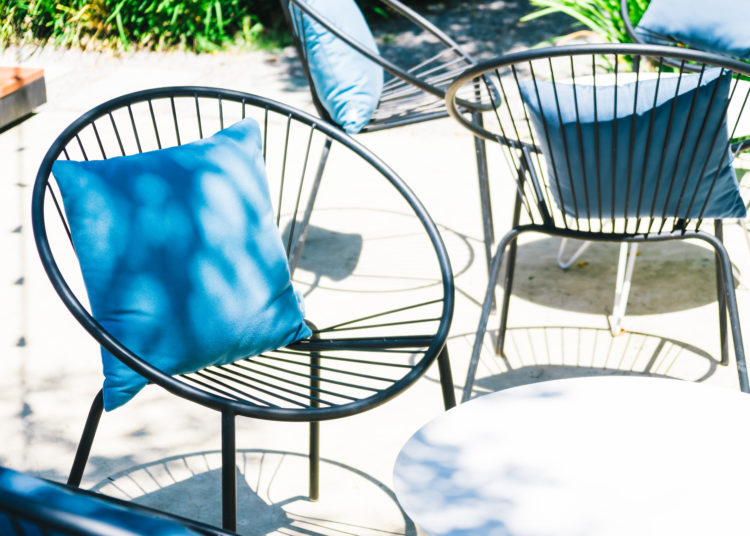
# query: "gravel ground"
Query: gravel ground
484,28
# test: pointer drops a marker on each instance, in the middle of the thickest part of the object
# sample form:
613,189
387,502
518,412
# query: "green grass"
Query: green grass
199,25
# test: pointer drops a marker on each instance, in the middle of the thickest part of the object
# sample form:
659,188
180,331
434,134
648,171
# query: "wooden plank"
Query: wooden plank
14,78
21,90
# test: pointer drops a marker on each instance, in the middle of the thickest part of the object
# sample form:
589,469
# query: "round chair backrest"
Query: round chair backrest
370,252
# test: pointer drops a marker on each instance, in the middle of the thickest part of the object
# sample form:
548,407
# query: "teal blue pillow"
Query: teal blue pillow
584,188
347,83
181,256
103,516
717,25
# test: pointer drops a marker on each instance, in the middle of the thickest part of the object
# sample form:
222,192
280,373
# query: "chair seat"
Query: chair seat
326,375
403,102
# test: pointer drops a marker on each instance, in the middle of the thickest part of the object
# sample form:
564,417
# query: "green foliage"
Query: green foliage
200,25
600,16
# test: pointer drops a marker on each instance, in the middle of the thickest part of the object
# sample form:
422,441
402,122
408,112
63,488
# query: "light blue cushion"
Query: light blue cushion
573,165
347,83
180,255
104,517
715,25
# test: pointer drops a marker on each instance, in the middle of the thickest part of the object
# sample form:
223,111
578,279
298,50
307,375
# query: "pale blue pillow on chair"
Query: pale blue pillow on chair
573,166
719,26
181,256
347,82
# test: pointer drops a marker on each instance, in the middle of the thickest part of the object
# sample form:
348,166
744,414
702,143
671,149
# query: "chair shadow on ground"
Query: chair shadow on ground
535,354
327,253
271,495
331,258
668,277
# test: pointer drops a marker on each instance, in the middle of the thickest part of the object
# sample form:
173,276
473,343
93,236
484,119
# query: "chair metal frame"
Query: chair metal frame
341,349
534,197
24,512
412,94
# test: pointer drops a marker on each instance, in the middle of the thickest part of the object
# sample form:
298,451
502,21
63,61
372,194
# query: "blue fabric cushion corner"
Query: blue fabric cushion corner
347,82
180,255
718,26
100,515
654,179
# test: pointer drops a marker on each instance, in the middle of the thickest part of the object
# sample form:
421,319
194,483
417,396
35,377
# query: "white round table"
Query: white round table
584,456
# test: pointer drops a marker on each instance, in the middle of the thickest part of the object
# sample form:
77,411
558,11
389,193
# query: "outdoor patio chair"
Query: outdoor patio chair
718,27
709,26
173,266
602,155
345,70
31,506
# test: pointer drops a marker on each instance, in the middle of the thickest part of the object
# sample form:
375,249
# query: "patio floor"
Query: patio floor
163,452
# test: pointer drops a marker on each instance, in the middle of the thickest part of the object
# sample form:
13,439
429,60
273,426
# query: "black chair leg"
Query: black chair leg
485,314
295,246
228,472
446,378
507,288
314,451
480,150
731,305
87,438
721,292
314,460
508,283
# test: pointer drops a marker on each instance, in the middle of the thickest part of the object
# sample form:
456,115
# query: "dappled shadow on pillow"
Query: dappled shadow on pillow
271,494
668,276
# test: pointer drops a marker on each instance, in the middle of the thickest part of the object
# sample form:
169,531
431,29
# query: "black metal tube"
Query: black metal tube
731,297
228,472
87,438
314,491
485,199
446,378
508,284
294,249
486,306
721,293
314,454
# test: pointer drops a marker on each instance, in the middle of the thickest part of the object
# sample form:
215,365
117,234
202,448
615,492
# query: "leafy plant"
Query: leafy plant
200,25
600,16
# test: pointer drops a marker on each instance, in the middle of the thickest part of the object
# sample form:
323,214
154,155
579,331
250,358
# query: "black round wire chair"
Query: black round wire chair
374,270
413,91
604,148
